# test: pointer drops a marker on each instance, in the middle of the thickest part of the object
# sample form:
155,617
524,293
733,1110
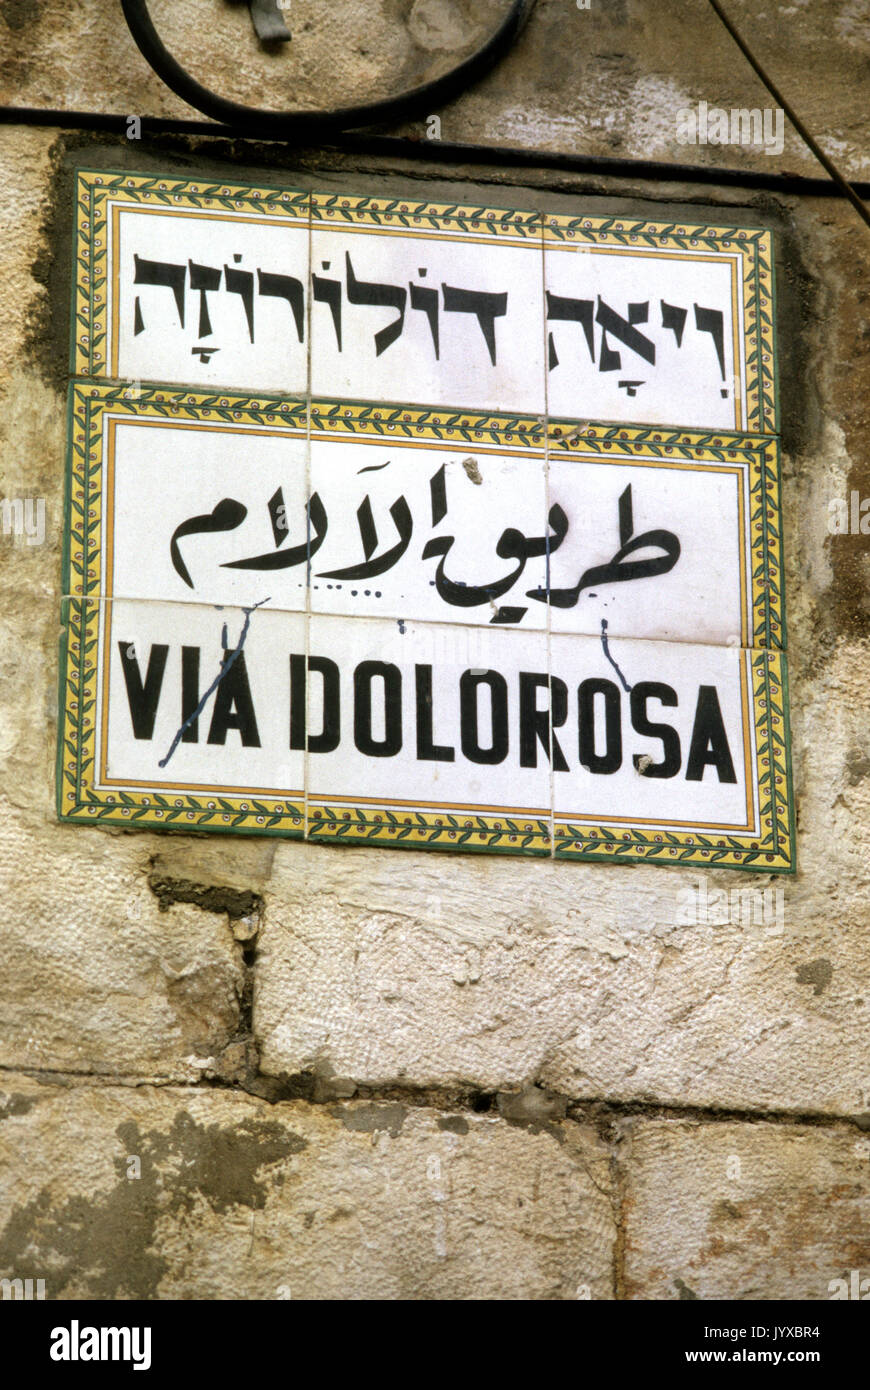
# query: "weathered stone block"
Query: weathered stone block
746,1211
97,978
116,1193
584,979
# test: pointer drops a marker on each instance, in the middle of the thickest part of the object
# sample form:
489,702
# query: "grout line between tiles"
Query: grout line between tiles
451,625
306,755
549,632
544,452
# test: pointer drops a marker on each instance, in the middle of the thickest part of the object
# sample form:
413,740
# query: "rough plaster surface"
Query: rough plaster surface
373,974
607,80
96,977
492,974
745,1211
238,1199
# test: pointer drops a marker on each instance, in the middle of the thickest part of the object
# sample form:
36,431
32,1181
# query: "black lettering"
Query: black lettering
189,694
537,723
611,759
654,690
328,738
709,747
484,303
143,699
427,751
469,684
165,273
391,676
233,706
203,278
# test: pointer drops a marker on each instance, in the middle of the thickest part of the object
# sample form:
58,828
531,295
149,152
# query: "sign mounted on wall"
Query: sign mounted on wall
433,525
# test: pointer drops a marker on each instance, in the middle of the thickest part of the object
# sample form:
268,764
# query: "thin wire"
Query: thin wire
446,152
795,119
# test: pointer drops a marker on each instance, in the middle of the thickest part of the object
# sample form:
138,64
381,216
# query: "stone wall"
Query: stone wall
251,1068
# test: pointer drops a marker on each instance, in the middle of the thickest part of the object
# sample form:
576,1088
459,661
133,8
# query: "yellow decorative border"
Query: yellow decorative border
754,248
473,427
770,851
463,221
759,452
502,830
508,832
96,190
468,221
78,797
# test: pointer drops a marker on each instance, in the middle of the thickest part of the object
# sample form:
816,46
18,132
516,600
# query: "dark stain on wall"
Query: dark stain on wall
817,973
107,1243
236,902
367,1118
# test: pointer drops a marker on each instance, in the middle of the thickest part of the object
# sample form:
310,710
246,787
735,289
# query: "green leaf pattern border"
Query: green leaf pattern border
77,798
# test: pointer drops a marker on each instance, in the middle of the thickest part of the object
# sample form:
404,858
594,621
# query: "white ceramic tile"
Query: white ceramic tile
684,686
205,298
165,477
625,715
243,731
608,360
400,497
386,758
695,518
485,305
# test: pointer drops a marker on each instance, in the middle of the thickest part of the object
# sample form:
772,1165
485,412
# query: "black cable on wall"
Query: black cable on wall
812,144
306,124
238,121
412,104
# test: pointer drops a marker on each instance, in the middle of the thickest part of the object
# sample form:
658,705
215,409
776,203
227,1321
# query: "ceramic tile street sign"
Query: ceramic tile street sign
423,525
409,524
418,303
